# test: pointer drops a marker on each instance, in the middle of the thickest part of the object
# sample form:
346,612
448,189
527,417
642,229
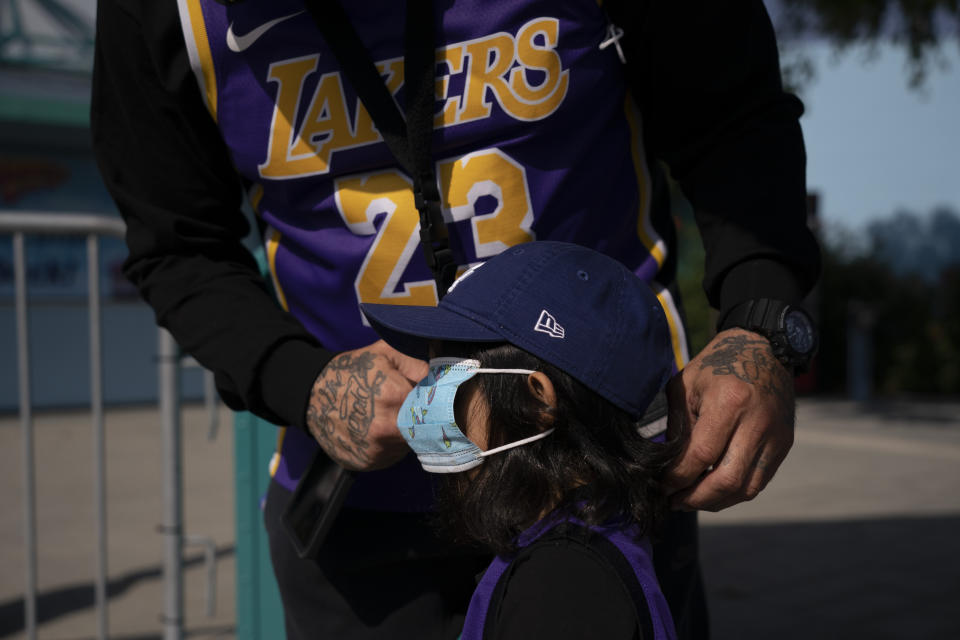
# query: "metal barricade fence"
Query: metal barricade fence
18,225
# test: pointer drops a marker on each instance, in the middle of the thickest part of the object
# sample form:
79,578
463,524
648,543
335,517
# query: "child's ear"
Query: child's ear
542,389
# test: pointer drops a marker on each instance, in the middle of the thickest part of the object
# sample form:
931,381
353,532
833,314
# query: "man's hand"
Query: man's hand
354,404
733,407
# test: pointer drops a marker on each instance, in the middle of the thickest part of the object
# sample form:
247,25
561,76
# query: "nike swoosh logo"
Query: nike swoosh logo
240,43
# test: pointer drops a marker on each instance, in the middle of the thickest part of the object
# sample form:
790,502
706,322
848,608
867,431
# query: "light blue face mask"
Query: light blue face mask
427,421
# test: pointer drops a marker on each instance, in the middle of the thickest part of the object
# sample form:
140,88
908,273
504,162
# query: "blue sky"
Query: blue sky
873,145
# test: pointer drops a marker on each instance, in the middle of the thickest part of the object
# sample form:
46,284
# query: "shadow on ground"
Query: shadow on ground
891,578
68,599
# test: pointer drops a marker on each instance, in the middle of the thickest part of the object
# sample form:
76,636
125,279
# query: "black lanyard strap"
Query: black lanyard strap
409,140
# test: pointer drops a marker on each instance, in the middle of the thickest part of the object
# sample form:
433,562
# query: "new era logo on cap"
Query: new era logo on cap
548,324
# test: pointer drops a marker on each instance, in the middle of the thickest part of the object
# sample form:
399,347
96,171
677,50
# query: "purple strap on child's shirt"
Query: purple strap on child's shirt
637,553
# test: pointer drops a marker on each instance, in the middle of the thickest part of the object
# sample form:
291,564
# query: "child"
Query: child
543,359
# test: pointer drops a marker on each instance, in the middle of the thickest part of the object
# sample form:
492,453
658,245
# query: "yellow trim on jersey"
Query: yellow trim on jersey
654,243
275,458
255,195
198,50
678,336
273,244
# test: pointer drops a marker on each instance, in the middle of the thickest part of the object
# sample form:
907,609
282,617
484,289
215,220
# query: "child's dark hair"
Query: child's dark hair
594,466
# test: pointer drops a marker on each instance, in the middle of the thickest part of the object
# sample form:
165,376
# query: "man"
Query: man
536,137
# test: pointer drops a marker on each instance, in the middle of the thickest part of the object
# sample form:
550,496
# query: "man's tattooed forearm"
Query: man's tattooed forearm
344,394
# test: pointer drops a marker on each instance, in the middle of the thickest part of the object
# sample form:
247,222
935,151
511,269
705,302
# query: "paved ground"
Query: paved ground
64,454
855,538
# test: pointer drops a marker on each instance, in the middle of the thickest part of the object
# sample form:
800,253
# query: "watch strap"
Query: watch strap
759,313
767,317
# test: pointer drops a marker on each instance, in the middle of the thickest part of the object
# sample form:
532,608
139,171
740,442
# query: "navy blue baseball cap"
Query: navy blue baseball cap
573,307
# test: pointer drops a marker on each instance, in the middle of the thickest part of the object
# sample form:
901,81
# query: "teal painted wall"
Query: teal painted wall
259,612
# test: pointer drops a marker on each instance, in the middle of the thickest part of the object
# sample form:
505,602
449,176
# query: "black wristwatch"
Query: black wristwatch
790,329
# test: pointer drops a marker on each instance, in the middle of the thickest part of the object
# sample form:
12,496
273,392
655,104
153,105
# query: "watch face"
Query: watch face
799,331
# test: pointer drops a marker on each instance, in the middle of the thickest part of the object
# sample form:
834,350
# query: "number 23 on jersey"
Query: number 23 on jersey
463,181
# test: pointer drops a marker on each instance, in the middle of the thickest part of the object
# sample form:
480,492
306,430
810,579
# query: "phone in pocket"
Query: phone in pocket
315,503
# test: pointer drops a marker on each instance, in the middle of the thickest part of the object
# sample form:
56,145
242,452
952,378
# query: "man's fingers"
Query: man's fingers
765,466
680,420
413,369
722,485
705,436
744,470
697,458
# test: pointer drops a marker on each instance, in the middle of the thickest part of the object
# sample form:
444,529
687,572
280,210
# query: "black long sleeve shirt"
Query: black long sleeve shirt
706,77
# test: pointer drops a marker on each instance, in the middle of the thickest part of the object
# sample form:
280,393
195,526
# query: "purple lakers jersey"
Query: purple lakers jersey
535,138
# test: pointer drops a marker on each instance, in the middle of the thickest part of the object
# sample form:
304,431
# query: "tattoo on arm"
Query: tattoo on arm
345,394
751,360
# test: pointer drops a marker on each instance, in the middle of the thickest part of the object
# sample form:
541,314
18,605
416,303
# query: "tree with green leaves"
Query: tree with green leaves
921,27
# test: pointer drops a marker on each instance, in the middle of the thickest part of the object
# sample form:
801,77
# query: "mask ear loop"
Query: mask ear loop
516,444
523,371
